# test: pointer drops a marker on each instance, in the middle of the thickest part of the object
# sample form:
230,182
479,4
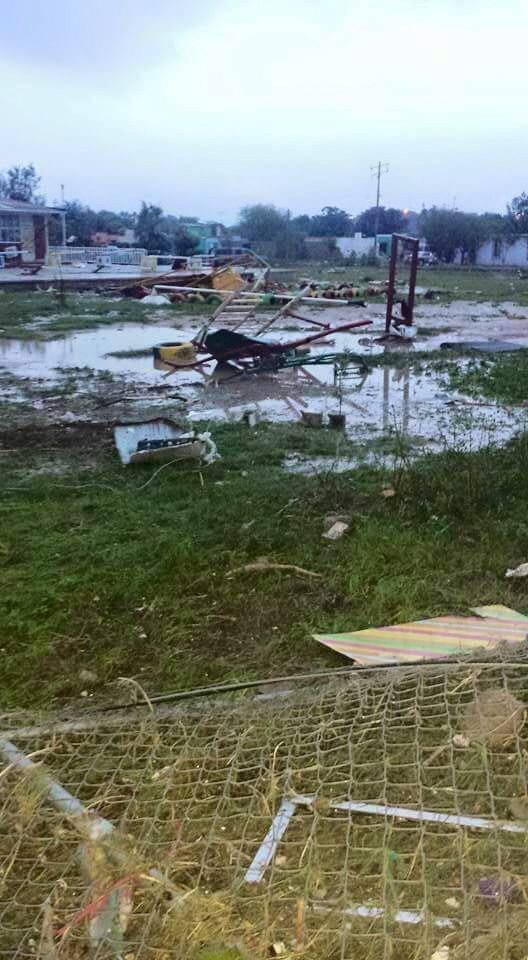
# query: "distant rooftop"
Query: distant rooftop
21,206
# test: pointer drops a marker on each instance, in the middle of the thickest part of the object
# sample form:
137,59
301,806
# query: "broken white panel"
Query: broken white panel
268,847
375,913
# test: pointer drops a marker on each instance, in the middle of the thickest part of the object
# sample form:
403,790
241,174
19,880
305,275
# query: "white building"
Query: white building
358,244
502,253
24,231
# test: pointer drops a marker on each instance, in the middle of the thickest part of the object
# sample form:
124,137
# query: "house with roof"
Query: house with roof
503,253
24,231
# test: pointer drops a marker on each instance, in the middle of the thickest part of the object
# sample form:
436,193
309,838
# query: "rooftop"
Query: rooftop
22,206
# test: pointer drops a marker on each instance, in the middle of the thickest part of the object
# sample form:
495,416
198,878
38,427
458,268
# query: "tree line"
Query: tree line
448,232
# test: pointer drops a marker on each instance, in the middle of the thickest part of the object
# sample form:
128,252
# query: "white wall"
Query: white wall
510,254
358,245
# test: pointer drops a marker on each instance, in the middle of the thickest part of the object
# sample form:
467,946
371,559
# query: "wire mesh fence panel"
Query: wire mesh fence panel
366,818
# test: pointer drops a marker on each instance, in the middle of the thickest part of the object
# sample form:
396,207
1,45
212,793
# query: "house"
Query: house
358,244
503,253
24,231
364,246
209,235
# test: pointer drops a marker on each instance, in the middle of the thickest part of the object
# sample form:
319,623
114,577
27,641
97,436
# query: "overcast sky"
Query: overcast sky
204,106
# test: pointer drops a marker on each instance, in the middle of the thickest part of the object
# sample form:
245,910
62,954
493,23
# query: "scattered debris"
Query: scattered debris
263,565
156,300
251,417
518,572
441,954
336,531
174,354
336,421
311,418
495,890
495,717
460,741
430,639
162,440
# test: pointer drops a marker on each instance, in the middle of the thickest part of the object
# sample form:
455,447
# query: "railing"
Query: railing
69,255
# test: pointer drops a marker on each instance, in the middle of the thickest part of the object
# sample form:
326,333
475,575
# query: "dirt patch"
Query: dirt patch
60,436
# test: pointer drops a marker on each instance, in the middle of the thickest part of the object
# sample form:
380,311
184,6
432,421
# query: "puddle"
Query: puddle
384,400
89,348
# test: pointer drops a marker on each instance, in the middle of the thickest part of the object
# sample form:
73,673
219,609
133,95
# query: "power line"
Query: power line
377,171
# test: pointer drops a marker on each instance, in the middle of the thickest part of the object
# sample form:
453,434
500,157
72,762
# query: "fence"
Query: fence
69,255
369,818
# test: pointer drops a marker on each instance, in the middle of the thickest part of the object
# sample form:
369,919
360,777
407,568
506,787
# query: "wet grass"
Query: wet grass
41,315
130,354
123,573
447,282
503,377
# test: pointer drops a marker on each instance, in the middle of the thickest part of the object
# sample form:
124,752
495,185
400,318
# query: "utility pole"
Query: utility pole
377,171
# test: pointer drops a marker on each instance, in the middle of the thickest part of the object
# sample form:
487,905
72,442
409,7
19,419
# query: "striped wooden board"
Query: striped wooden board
430,639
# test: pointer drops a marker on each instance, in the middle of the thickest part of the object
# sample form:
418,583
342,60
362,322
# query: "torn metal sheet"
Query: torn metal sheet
484,346
159,439
430,639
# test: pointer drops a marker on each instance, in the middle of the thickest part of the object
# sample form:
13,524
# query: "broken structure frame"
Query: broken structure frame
406,243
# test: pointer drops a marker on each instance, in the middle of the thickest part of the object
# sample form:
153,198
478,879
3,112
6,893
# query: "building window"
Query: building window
9,228
497,249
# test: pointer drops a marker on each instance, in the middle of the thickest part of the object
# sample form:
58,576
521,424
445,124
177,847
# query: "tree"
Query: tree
21,183
262,221
390,220
289,244
183,244
452,232
149,229
331,222
109,222
302,224
80,222
518,214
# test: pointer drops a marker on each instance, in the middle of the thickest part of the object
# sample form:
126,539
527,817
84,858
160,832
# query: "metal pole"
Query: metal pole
392,278
412,278
376,222
379,169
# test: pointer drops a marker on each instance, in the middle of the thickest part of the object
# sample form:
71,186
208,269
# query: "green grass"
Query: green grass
503,377
100,572
451,283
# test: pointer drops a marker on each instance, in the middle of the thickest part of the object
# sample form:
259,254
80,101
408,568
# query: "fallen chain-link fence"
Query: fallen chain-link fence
383,815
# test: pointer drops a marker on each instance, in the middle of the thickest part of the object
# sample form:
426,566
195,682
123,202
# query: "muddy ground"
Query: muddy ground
117,571
107,374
